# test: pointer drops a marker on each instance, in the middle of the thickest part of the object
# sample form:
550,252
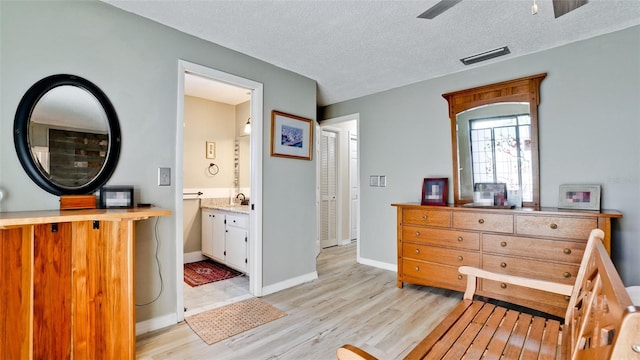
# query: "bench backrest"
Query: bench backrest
599,308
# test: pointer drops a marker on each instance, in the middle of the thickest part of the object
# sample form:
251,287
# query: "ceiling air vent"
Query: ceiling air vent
486,55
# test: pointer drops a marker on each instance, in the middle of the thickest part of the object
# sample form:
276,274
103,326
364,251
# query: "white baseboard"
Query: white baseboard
270,289
146,326
193,257
378,264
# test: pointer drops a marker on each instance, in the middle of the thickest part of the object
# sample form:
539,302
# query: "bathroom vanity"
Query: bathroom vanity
67,285
225,235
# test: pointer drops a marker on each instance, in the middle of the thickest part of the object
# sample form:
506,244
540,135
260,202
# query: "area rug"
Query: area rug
221,323
205,272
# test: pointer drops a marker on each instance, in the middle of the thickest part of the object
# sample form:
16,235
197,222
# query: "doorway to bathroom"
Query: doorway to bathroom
219,127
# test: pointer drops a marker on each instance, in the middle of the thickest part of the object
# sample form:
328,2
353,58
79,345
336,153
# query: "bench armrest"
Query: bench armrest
473,273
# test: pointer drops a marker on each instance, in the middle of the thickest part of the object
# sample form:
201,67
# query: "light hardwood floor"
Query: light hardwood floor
348,303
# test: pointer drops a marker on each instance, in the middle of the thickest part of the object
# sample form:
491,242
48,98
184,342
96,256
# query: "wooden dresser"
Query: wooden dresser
67,288
433,241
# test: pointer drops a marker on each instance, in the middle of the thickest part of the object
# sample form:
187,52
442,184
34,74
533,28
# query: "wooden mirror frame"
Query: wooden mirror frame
526,89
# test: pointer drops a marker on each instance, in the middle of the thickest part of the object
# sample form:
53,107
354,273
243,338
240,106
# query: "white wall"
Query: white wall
589,124
135,62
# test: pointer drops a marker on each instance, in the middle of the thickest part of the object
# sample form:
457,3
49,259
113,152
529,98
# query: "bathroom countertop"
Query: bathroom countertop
241,209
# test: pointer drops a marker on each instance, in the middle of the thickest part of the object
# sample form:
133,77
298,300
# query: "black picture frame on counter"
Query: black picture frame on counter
116,197
435,191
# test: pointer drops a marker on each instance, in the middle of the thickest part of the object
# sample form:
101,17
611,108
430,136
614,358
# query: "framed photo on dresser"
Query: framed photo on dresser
434,191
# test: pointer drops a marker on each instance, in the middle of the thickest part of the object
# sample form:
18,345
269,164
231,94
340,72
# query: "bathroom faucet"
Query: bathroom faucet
244,200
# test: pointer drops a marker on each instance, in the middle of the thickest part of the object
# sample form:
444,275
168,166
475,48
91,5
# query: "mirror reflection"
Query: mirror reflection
494,146
68,136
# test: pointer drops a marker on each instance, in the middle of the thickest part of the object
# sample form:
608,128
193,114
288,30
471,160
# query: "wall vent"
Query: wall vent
486,55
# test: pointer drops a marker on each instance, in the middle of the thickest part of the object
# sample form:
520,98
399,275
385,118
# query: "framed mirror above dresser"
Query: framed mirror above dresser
494,138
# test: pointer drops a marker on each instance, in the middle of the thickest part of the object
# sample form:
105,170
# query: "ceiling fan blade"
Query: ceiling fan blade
561,7
438,9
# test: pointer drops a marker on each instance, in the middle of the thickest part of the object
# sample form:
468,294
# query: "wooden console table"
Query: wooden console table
67,288
547,244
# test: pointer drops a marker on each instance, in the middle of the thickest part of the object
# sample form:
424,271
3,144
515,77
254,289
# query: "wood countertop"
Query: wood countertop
18,218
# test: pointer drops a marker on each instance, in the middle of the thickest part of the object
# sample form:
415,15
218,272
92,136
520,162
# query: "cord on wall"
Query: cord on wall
155,231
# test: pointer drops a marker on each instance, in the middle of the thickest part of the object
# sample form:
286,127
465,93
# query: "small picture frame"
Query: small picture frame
210,150
291,136
434,191
579,196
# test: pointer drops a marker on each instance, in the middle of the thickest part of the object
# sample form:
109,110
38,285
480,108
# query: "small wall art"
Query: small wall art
578,196
291,136
434,191
210,150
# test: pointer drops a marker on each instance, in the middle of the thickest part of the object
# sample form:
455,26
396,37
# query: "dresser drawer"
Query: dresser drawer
429,217
555,304
561,227
544,249
433,274
483,221
535,269
453,257
441,237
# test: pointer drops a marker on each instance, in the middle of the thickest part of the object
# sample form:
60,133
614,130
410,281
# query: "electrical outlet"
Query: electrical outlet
164,176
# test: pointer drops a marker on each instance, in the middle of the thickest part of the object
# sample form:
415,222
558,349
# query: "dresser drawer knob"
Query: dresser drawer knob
417,268
417,233
553,226
417,251
503,264
503,244
460,257
424,217
567,275
460,238
480,221
566,251
503,285
567,298
460,277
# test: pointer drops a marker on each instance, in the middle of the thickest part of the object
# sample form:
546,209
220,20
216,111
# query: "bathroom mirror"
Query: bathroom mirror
494,138
67,135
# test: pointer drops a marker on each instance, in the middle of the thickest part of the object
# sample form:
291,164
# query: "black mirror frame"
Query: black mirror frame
21,134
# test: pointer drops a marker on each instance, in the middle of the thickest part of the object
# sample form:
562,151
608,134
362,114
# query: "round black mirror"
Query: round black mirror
67,135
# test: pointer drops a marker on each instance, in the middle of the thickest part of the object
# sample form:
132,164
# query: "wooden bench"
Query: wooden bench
600,322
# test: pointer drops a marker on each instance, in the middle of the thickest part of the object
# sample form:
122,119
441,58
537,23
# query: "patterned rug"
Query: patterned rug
221,323
205,272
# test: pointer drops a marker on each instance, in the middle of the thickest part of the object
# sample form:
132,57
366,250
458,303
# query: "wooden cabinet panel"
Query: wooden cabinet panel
553,304
52,280
429,217
441,237
483,221
553,250
561,227
452,257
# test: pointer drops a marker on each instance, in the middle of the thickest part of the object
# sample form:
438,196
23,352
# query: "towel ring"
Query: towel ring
213,169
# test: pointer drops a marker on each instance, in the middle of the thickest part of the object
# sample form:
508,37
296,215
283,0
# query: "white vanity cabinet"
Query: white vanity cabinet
236,238
213,234
225,237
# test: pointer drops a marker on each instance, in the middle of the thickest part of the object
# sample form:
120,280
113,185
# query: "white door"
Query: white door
353,185
328,187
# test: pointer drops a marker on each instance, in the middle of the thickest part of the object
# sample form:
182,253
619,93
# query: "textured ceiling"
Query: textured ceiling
356,48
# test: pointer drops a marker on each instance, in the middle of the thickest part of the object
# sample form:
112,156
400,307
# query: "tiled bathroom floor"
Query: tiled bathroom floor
210,296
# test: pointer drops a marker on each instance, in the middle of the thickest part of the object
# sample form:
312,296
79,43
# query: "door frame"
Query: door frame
255,218
326,124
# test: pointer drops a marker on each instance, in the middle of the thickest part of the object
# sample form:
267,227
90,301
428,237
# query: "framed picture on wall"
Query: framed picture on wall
434,191
291,136
576,196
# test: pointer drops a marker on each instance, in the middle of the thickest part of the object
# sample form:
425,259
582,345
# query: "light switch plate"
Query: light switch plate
164,176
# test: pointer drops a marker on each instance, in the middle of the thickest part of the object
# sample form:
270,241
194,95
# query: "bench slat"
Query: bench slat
478,347
468,337
518,335
500,338
444,325
451,337
533,343
550,339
